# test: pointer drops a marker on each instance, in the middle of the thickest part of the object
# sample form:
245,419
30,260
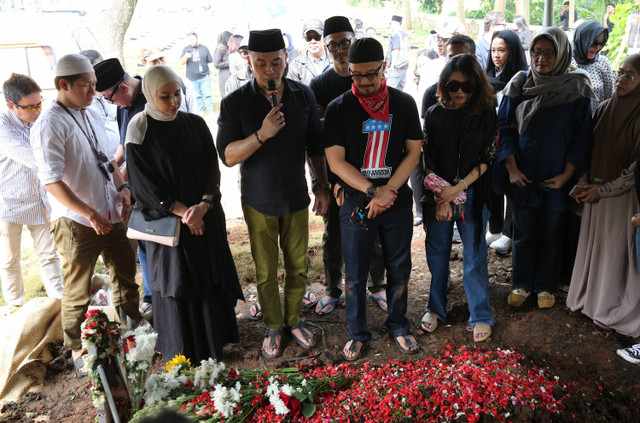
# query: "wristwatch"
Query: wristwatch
208,202
371,191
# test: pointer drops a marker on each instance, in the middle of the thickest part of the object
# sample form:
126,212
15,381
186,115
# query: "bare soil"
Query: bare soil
604,387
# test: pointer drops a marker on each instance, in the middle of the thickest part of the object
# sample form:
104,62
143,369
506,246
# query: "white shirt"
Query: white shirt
63,153
23,200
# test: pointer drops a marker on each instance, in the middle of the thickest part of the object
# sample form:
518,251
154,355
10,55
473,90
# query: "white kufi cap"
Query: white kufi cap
73,64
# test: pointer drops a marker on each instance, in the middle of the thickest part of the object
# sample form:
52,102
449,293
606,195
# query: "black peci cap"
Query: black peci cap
337,24
108,73
365,50
266,41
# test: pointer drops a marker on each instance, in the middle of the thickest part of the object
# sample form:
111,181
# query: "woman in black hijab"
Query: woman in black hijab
507,59
588,40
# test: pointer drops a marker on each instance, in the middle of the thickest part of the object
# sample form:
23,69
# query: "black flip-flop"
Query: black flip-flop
352,348
272,333
409,344
78,363
258,311
304,335
307,296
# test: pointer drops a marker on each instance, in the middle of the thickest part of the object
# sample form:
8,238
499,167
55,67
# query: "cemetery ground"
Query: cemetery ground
601,387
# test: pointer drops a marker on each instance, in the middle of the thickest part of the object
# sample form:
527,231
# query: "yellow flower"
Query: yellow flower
179,360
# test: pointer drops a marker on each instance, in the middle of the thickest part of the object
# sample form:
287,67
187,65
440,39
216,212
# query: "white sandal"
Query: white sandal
429,322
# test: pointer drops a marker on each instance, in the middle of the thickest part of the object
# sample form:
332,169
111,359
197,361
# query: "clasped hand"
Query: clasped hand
193,218
385,197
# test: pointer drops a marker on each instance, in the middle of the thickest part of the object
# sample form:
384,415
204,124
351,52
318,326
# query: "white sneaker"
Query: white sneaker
631,354
491,238
502,245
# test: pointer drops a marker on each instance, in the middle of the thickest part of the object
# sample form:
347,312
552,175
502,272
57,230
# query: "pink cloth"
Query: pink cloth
433,183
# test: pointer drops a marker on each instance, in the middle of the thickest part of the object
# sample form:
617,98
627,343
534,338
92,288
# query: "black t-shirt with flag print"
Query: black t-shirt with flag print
373,147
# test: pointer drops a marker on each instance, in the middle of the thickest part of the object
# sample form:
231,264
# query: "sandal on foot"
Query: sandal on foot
429,322
81,370
481,332
331,303
409,343
257,315
305,335
273,344
310,299
546,299
517,297
378,300
353,348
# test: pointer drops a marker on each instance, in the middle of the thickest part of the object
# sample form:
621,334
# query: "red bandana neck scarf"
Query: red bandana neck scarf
376,104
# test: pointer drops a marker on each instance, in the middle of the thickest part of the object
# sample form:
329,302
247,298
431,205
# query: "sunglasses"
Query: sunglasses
598,44
453,86
31,107
316,37
115,90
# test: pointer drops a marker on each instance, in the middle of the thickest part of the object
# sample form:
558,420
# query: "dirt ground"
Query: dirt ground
604,387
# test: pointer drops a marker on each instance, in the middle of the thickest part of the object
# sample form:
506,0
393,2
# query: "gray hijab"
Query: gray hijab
561,85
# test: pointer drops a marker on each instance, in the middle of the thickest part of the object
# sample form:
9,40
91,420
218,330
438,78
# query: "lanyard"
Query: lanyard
100,156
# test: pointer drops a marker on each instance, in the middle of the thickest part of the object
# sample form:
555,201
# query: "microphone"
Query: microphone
272,89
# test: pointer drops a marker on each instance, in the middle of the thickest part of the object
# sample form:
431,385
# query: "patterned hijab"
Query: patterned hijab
559,86
617,132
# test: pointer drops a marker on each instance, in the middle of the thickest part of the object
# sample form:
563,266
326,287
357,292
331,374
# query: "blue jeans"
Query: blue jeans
395,230
536,253
144,269
475,272
202,87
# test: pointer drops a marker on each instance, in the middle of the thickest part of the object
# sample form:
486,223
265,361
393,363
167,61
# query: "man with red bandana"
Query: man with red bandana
338,36
372,143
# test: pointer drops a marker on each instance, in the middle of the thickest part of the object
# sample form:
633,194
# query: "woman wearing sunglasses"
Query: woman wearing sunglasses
545,134
460,133
588,40
604,285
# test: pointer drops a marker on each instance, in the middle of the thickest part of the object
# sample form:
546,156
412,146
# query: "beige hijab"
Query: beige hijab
155,78
617,132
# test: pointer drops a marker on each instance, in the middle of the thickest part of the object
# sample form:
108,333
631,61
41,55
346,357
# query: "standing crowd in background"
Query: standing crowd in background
523,143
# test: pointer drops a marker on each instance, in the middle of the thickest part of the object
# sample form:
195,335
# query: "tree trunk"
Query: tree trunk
522,9
500,5
115,27
406,12
460,12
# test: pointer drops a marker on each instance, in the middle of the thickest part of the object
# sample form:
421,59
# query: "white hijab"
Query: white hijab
155,78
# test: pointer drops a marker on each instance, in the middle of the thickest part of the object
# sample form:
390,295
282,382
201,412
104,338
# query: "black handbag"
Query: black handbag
165,231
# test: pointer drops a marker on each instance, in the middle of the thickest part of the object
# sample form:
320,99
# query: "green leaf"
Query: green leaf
300,395
308,409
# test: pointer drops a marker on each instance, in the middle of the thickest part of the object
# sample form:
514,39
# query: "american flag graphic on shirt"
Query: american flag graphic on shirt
377,144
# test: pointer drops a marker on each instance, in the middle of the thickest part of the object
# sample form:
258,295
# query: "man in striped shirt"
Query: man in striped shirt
23,200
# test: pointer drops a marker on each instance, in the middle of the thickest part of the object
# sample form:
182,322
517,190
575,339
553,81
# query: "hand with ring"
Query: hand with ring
272,123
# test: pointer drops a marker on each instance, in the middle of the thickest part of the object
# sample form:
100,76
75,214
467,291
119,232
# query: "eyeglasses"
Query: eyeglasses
31,107
453,86
115,90
441,40
344,45
369,75
625,76
536,54
597,44
309,37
